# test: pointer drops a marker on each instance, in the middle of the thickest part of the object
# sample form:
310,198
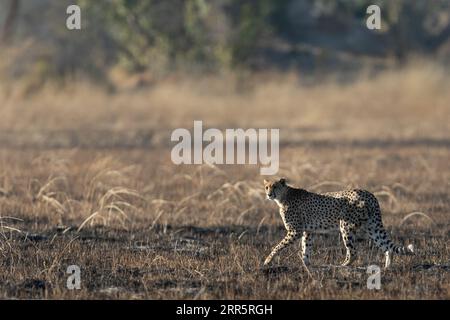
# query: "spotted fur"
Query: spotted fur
304,213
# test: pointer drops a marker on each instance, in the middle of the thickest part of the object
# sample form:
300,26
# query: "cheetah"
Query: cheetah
305,213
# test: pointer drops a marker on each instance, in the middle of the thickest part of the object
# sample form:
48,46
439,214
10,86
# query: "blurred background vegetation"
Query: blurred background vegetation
313,38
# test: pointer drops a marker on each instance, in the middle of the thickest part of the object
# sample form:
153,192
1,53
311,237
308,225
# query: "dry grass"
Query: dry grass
77,186
406,103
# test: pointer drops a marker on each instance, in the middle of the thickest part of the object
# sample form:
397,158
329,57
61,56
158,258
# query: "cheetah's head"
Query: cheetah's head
275,189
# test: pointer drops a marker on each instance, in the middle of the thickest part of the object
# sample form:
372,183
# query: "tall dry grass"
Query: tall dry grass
401,103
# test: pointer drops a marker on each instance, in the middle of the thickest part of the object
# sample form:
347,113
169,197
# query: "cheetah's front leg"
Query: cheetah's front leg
288,240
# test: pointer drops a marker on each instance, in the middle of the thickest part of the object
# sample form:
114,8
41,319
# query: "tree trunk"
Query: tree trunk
8,27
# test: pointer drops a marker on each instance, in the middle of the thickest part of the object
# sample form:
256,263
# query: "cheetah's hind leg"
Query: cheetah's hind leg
348,236
306,247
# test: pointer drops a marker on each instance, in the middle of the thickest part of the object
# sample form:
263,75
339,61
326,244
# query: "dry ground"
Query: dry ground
86,179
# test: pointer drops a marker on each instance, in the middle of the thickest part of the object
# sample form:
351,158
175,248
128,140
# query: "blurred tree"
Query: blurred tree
158,34
252,27
161,36
409,26
10,20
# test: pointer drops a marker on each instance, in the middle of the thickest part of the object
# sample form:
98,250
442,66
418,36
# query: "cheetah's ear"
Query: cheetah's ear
266,182
283,181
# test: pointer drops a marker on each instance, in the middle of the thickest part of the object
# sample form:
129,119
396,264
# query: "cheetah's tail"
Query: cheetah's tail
381,238
408,250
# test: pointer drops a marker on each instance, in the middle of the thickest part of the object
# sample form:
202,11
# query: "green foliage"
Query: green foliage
157,34
252,26
209,35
